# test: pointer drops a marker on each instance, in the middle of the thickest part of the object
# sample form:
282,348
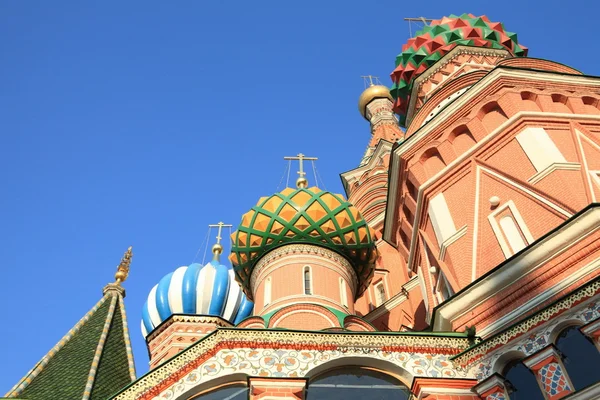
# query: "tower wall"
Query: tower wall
278,279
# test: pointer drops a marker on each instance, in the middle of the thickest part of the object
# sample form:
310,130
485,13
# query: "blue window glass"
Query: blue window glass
581,357
522,383
233,392
354,383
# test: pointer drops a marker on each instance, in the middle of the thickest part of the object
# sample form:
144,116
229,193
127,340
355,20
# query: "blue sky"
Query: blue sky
140,123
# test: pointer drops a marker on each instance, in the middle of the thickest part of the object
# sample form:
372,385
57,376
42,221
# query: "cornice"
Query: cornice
171,371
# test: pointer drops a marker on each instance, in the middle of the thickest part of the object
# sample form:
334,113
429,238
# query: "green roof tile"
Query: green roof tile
66,370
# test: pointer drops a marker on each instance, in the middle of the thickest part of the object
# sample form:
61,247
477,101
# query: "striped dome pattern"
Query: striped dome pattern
202,290
437,39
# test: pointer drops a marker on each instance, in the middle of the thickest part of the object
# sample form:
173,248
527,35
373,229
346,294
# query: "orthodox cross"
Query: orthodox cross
217,249
220,225
424,20
301,182
372,80
123,268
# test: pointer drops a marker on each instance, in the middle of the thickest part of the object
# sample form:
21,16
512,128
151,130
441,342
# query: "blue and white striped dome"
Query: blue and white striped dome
197,289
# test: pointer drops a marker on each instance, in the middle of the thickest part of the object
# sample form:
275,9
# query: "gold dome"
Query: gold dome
371,93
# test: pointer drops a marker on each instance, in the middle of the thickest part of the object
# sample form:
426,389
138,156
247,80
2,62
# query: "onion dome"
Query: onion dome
438,38
371,93
310,216
202,290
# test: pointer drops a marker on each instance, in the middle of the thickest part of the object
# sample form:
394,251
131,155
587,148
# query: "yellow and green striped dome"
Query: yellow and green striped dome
310,216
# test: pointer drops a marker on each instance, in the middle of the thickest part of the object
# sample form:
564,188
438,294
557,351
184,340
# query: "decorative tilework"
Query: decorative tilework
553,379
496,396
533,333
292,354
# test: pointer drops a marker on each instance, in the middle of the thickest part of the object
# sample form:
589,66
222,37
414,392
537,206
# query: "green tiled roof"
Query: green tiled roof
92,361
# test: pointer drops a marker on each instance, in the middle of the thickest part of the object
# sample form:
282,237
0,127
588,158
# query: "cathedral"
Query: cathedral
462,262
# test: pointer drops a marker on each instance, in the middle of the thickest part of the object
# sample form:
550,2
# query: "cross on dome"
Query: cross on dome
217,249
302,182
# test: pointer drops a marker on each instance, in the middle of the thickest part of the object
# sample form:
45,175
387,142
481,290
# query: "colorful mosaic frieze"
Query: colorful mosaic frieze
437,39
292,354
496,396
553,379
310,216
533,334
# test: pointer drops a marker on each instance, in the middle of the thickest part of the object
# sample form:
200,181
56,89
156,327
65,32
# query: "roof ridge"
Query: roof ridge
127,339
96,360
37,369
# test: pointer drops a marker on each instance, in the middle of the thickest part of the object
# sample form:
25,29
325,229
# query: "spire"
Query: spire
123,268
302,182
93,360
217,249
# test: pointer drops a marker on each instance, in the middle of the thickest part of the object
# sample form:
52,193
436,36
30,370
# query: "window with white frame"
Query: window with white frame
343,293
380,296
539,148
510,229
307,280
512,233
443,289
441,219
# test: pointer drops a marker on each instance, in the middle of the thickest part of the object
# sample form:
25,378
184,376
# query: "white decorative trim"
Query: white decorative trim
519,266
451,239
506,319
287,314
499,232
565,166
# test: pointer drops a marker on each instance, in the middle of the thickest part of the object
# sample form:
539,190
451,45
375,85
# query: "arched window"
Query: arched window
355,383
380,296
580,357
307,282
343,293
523,385
268,291
229,392
512,233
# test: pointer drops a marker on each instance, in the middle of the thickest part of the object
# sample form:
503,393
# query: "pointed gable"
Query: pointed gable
92,361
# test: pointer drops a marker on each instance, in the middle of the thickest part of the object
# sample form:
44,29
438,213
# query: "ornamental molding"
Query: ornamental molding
270,353
301,249
534,333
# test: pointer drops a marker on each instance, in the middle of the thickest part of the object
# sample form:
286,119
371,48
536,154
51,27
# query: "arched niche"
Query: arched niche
356,382
580,357
233,387
522,383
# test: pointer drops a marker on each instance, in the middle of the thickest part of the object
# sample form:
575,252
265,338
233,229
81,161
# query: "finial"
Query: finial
301,182
217,249
123,268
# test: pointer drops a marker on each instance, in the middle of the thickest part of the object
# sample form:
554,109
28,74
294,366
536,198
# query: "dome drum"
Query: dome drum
310,216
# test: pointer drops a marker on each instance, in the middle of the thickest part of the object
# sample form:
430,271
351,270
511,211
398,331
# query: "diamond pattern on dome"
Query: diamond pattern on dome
272,204
328,226
301,198
302,223
287,213
437,39
261,222
316,211
303,216
255,240
247,218
343,219
330,201
276,228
